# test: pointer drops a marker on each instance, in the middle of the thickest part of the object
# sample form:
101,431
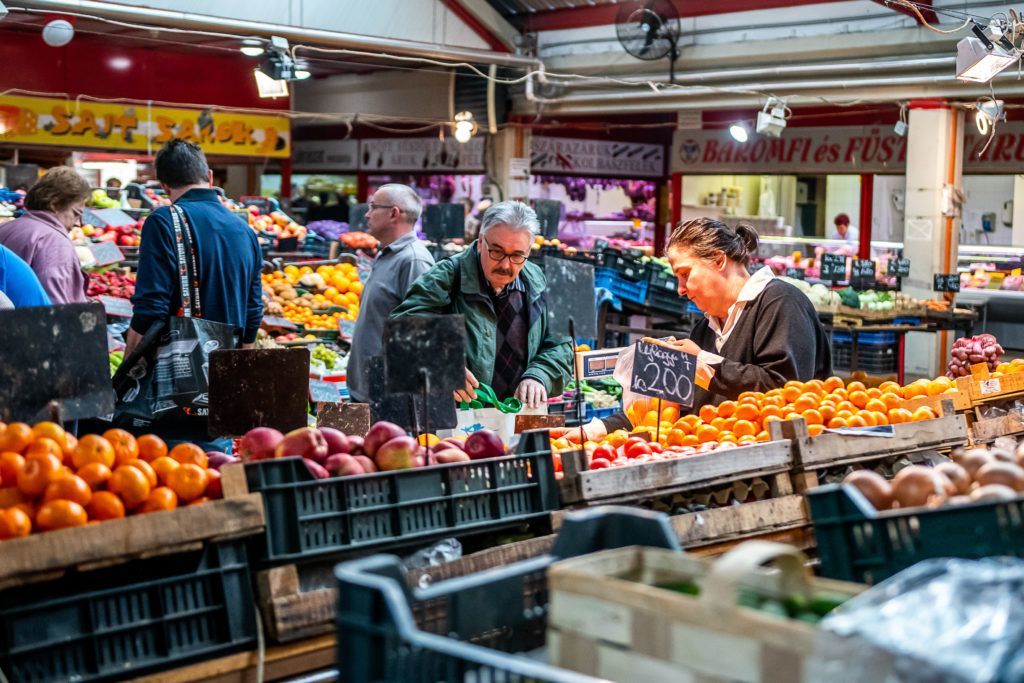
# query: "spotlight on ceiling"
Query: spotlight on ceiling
270,87
252,47
772,123
276,69
981,56
988,113
302,71
58,33
739,132
465,126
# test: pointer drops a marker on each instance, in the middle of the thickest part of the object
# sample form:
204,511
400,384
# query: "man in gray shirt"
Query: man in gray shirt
391,218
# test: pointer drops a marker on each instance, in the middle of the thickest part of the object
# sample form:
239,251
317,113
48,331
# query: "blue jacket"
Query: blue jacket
228,258
18,281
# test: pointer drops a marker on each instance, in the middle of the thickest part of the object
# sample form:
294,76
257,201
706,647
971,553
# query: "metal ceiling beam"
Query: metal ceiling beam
156,18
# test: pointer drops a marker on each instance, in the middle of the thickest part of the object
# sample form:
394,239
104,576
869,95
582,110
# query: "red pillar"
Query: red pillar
362,187
867,194
286,179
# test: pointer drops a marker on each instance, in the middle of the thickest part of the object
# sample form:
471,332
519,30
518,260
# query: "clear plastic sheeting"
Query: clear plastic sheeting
943,620
442,552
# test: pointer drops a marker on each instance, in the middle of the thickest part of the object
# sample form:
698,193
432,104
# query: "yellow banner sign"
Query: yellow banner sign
41,121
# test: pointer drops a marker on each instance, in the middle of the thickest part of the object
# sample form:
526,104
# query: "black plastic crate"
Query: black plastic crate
120,622
857,543
470,628
663,292
309,518
625,265
879,360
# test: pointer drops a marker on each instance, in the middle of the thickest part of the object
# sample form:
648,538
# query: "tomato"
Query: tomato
656,447
634,440
637,449
600,464
603,452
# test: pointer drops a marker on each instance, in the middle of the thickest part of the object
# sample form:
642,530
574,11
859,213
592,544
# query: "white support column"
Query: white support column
505,145
932,219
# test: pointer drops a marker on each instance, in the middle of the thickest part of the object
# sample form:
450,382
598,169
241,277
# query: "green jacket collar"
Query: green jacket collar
469,263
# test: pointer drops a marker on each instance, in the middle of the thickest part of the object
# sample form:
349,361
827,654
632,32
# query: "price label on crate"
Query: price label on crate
106,253
833,267
898,267
862,275
323,392
796,273
990,386
661,371
946,282
116,307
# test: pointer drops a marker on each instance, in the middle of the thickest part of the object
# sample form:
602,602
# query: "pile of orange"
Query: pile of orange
51,480
341,287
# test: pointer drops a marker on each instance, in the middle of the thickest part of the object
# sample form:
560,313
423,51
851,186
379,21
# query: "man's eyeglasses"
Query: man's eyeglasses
371,206
518,258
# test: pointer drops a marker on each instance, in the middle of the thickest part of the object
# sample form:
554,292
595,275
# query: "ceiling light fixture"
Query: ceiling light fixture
989,112
58,33
252,47
270,87
302,71
981,56
772,123
465,126
739,132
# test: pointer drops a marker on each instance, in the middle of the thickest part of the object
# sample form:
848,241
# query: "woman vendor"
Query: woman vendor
758,331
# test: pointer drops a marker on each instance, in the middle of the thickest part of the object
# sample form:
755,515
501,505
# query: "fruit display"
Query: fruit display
49,479
126,235
276,224
602,393
321,355
116,358
330,453
327,287
358,240
966,351
977,475
808,609
111,283
329,230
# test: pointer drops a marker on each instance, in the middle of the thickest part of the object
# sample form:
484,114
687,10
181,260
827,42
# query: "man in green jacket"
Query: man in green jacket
508,342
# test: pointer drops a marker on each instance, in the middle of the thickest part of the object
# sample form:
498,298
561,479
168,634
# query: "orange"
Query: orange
188,481
749,400
191,453
815,429
105,505
146,468
890,387
763,437
747,411
201,500
805,402
845,414
683,426
727,436
914,390
37,473
719,423
815,385
856,421
873,392
876,404
770,411
670,414
70,444
726,408
833,383
837,423
44,445
923,413
828,411
855,386
14,523
708,412
891,400
130,484
706,433
749,394
744,428
859,398
11,496
10,464
813,417
938,385
163,466
794,383
68,488
125,446
770,418
650,420
868,417
93,448
690,420
16,437
690,440
151,447
880,417
777,401
161,498
791,394
747,439
59,514
899,416
675,437
95,474
50,430
845,405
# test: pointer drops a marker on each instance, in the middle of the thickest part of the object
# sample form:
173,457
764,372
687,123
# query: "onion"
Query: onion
1019,455
873,486
1001,473
993,493
974,459
956,454
959,500
1002,455
956,475
916,485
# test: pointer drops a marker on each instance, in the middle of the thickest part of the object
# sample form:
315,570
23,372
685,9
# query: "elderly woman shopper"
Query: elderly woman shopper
53,206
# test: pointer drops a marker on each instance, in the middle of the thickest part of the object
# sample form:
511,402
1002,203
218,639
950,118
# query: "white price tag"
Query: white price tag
990,386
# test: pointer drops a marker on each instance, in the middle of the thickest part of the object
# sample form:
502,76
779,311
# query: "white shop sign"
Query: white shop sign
421,155
596,157
325,155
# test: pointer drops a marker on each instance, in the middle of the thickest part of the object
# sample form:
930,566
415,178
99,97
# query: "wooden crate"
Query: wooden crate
987,389
961,398
609,619
580,486
45,556
986,431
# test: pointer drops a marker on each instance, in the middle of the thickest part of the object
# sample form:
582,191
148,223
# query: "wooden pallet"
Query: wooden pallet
40,557
582,487
984,431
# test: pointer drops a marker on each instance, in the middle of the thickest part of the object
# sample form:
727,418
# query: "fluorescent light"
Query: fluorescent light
252,47
269,87
738,132
981,56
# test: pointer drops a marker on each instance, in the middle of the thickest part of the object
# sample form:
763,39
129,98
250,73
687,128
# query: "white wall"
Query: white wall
384,93
750,190
842,195
986,194
887,208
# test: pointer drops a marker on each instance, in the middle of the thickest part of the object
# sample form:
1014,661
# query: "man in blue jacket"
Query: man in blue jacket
228,255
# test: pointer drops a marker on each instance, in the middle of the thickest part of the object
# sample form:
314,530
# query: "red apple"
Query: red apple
398,453
316,469
213,484
355,445
336,440
484,444
304,442
259,443
450,455
379,434
369,466
450,442
343,465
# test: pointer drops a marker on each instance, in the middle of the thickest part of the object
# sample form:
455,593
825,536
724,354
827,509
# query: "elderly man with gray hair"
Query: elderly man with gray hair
508,342
391,217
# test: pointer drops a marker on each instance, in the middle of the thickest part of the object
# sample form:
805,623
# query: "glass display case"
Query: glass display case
990,279
802,253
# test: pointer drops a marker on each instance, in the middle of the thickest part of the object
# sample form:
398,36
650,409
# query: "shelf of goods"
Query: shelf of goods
989,278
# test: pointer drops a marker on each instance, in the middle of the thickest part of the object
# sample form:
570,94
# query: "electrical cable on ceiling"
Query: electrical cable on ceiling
924,22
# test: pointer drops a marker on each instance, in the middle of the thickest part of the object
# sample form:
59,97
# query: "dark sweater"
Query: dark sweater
778,338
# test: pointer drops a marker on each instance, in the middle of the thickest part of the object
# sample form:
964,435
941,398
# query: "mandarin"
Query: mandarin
105,505
93,448
706,433
95,474
191,453
859,398
50,430
60,514
125,446
726,408
160,498
815,429
37,473
14,523
68,488
812,417
130,484
744,428
16,437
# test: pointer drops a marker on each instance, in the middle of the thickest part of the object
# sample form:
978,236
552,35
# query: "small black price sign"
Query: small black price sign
833,267
664,372
796,273
116,306
944,282
106,253
600,245
899,267
862,275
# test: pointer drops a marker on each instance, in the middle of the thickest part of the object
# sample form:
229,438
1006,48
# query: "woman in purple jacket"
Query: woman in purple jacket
53,206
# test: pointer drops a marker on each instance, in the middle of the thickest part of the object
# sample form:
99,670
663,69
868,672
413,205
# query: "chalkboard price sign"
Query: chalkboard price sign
116,307
663,372
946,282
106,253
833,267
900,267
796,273
862,275
323,392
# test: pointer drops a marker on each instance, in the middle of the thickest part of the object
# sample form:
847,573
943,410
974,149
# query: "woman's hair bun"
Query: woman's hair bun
748,234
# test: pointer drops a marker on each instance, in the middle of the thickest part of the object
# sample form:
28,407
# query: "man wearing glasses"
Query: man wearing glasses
391,217
508,343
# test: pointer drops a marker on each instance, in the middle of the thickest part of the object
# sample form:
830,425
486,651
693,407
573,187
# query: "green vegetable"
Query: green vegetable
684,587
849,297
